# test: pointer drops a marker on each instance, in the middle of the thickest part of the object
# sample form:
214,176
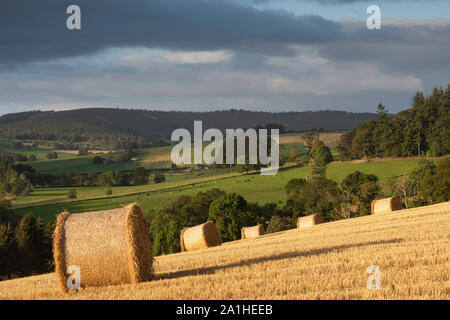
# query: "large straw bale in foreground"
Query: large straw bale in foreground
386,205
252,232
308,221
199,237
110,247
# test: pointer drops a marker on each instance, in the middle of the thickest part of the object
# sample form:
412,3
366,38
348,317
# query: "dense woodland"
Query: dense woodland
422,130
25,244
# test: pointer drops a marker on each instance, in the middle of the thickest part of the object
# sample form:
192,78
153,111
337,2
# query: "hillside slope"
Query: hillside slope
328,261
94,122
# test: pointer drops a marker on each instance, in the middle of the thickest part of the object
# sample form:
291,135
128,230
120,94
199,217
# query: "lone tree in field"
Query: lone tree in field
72,194
320,153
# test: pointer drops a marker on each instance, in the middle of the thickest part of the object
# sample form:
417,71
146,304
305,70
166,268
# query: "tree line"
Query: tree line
422,130
91,179
25,244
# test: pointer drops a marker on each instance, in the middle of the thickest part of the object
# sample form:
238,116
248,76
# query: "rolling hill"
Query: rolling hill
87,124
327,261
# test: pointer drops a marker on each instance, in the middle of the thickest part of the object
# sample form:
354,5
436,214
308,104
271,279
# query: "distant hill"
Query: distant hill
102,123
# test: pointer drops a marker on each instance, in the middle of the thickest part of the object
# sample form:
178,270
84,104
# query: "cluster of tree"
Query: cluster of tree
317,153
323,196
106,180
70,132
420,130
17,157
15,145
52,155
230,212
428,184
125,155
13,183
25,244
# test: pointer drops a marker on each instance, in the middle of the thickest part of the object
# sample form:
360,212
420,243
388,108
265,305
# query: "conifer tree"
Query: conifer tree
9,254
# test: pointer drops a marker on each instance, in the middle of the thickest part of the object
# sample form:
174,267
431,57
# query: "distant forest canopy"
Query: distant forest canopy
118,127
423,130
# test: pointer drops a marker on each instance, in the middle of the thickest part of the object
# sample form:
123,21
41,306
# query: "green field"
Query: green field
42,196
41,154
254,187
285,149
83,164
79,165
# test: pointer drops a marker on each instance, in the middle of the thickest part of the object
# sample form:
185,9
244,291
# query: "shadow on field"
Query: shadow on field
281,256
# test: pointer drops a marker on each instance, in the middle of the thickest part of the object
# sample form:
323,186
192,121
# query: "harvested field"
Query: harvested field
331,139
157,162
329,261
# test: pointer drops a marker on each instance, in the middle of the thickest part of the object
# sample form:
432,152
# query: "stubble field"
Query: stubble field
328,261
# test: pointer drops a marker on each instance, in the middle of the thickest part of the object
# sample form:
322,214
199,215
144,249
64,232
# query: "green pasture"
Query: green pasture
41,154
79,165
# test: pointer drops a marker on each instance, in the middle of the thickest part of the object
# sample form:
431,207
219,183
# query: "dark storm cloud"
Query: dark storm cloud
340,1
36,30
33,30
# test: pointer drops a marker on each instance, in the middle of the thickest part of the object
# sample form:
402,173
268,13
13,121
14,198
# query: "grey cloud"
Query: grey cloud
239,82
337,2
36,30
407,46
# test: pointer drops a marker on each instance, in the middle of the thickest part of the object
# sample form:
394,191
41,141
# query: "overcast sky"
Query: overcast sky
271,55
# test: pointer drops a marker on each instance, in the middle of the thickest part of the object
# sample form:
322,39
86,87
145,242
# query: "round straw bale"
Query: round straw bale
252,232
308,221
202,236
110,247
386,205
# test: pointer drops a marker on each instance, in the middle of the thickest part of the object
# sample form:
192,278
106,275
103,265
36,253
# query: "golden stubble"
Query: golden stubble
326,261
